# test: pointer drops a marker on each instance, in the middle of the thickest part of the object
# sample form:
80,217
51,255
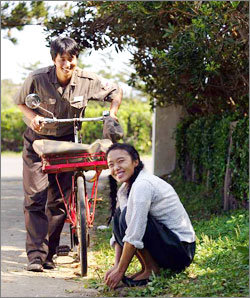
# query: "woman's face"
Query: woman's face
121,165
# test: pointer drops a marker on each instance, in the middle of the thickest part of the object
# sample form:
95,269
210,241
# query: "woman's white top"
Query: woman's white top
150,194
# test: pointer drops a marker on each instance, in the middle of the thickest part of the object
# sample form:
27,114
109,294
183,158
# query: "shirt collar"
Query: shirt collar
54,80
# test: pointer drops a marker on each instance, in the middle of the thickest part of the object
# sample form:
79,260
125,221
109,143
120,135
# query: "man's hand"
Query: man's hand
115,104
112,114
114,277
37,123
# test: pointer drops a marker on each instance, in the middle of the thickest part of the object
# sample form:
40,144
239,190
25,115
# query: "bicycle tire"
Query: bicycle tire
81,225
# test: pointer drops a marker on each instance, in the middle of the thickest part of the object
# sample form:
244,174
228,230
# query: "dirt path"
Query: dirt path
16,281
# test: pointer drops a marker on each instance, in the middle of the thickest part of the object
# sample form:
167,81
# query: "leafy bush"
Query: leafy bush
134,116
239,161
12,129
202,151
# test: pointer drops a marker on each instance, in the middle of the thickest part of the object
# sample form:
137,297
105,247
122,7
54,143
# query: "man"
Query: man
65,90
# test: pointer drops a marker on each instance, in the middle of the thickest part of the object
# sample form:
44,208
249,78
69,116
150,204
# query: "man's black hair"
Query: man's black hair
64,45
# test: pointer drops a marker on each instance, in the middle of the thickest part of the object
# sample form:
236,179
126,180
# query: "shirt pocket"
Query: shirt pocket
48,103
79,102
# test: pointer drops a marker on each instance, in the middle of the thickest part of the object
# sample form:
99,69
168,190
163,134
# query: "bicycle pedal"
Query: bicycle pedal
62,250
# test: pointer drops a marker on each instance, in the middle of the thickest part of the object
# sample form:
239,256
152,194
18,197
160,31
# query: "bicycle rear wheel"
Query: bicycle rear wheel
82,225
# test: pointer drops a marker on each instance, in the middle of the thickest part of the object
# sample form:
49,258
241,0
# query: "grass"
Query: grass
220,267
221,263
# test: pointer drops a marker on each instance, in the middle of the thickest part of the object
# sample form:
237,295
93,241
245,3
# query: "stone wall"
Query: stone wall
164,125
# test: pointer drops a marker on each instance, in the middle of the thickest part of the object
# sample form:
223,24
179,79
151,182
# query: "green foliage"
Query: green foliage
202,150
195,52
12,128
135,118
17,14
239,161
221,263
8,90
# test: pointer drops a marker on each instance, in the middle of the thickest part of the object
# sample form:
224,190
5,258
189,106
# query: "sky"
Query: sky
31,48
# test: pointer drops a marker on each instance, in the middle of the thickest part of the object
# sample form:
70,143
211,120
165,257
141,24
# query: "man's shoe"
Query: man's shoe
35,265
49,265
134,283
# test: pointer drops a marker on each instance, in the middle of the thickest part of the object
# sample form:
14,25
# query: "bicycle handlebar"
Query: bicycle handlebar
68,120
55,120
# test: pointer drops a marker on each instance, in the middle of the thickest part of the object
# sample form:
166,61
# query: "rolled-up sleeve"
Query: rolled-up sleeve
138,207
108,85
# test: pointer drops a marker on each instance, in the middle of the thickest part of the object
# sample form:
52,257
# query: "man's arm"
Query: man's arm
35,119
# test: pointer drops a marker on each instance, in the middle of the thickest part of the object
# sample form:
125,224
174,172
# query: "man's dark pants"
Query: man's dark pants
44,210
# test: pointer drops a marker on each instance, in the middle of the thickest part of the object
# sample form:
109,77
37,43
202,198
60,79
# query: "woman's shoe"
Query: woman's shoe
134,283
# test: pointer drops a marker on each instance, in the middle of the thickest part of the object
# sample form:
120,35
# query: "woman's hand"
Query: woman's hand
109,272
114,277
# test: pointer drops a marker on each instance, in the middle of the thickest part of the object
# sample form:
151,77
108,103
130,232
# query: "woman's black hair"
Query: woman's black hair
64,45
112,182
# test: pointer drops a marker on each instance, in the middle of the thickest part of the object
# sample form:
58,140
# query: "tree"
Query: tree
17,14
189,53
193,53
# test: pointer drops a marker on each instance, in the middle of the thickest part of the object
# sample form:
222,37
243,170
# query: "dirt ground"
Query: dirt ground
16,281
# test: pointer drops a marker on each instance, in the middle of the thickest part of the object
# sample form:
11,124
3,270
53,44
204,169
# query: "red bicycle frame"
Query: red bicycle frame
77,162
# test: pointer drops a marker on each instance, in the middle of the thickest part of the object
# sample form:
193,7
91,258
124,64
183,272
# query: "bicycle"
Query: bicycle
61,156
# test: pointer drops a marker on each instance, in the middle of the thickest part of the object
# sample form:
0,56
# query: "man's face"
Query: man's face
65,65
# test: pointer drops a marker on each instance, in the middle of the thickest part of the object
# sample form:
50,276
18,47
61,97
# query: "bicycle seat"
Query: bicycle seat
48,147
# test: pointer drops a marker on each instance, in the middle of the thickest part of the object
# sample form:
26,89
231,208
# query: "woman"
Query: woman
149,220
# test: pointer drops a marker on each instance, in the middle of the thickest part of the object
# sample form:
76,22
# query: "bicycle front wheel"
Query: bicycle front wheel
81,225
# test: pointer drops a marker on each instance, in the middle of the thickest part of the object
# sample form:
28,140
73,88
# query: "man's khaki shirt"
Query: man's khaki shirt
64,103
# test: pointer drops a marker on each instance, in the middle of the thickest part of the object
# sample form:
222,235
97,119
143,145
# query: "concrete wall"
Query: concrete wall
164,125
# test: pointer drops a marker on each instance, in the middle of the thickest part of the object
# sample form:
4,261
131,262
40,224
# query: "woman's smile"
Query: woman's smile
121,165
119,174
